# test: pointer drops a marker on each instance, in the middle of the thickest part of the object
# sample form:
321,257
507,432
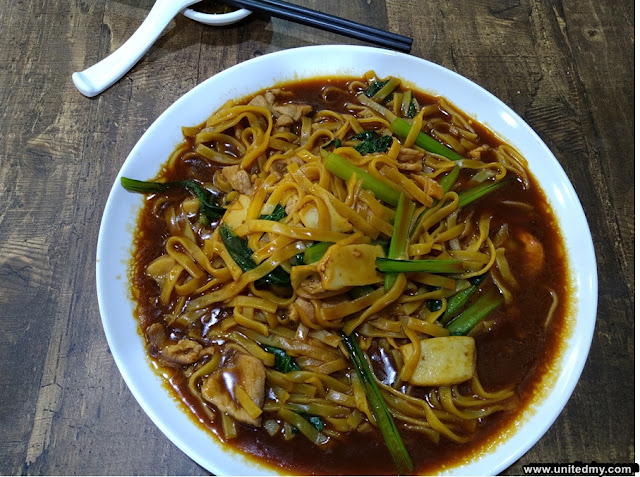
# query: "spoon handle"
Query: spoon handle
97,78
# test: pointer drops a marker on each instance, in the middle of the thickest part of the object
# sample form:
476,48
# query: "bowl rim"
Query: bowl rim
108,274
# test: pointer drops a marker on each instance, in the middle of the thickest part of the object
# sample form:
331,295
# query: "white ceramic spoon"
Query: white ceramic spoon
97,78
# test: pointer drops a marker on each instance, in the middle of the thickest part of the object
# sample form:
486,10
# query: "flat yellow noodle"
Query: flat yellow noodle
194,261
416,127
389,297
426,327
247,403
342,310
299,233
221,250
410,365
407,185
341,208
253,302
247,322
271,247
232,289
170,283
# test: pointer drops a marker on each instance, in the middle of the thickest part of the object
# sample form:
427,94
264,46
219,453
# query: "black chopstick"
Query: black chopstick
325,21
325,17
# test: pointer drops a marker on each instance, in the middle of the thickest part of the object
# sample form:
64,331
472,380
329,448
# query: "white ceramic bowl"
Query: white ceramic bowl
154,147
217,19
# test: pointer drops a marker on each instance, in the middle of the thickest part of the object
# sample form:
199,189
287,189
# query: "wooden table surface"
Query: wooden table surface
565,66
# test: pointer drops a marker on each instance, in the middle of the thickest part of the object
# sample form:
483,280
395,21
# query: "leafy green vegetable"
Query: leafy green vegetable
333,143
374,87
207,208
385,93
344,170
284,363
381,412
237,248
242,255
277,215
412,110
372,142
388,265
401,127
434,305
475,313
457,301
315,421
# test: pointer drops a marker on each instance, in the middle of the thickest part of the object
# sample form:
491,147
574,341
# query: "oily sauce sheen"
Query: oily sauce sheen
517,350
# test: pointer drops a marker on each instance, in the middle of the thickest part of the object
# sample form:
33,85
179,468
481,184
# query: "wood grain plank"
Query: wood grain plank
37,174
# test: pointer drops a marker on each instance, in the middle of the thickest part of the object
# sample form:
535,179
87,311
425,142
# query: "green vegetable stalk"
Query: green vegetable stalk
401,127
209,210
314,253
400,236
449,179
344,170
457,301
380,90
388,265
467,196
381,412
475,313
408,106
374,87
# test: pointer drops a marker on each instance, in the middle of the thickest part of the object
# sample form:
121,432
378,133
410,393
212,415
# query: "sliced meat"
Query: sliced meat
260,101
294,110
185,351
157,339
236,369
285,113
407,154
284,120
428,185
238,178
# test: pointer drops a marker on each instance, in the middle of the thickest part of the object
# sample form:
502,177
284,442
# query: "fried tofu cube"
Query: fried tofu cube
236,213
350,266
443,361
